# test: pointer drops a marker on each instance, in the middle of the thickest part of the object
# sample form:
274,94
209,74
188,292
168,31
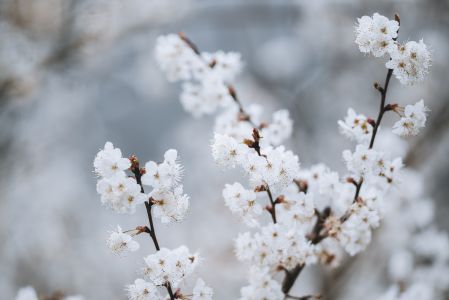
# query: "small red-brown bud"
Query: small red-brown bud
393,107
142,171
256,135
212,63
269,208
371,122
243,117
260,188
248,143
301,184
134,162
280,199
232,92
351,180
263,125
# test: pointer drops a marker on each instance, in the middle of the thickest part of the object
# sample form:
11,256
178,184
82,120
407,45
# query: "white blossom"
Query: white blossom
109,162
356,127
201,291
278,130
170,266
413,120
376,34
169,205
121,243
227,151
176,58
226,65
410,62
142,290
261,286
27,293
242,202
165,175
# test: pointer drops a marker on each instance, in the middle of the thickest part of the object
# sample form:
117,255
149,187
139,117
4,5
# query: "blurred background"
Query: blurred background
76,73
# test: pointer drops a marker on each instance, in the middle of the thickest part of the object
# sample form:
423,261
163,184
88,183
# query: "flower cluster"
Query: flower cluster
165,268
316,213
207,85
29,293
377,35
413,119
356,127
170,266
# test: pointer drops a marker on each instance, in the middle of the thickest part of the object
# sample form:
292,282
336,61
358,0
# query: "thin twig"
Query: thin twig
135,169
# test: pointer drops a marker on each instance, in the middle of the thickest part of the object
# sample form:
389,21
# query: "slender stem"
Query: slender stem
273,205
152,232
382,110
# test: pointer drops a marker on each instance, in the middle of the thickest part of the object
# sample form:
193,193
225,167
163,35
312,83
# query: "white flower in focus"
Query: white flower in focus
410,62
27,293
414,119
242,202
109,162
376,34
165,175
363,161
276,245
121,243
261,286
169,205
120,194
201,291
170,266
142,290
356,127
227,151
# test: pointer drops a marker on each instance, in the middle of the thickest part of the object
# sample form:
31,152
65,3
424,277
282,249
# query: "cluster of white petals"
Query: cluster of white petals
377,35
29,293
261,286
414,119
356,127
118,192
410,62
121,243
275,246
207,87
170,266
166,201
169,202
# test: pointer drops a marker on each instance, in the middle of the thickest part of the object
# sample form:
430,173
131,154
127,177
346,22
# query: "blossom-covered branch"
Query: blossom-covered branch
121,193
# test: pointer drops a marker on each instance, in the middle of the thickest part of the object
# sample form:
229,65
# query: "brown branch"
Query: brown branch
135,169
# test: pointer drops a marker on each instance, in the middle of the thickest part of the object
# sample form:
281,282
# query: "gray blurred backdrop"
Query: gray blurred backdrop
75,73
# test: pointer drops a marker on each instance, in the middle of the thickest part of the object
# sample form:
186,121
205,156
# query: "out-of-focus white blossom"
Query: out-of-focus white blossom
201,291
176,58
261,286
